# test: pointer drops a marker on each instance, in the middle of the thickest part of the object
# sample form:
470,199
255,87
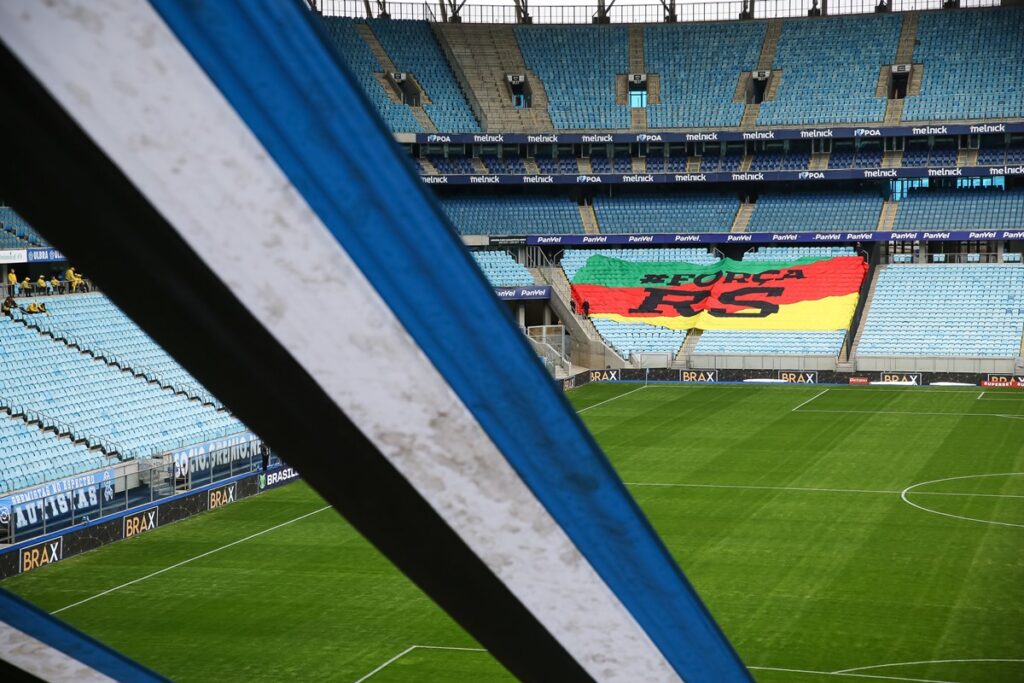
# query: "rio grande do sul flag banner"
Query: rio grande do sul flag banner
806,294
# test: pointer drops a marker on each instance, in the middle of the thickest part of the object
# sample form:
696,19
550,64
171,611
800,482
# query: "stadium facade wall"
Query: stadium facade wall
792,374
44,550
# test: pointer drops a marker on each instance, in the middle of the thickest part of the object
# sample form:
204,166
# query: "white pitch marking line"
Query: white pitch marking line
980,395
820,393
910,489
191,559
805,489
905,412
843,674
417,647
583,410
927,661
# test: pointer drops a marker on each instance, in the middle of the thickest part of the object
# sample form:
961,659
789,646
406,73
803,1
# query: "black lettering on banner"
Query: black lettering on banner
40,555
682,302
764,308
604,375
703,281
653,279
765,276
741,278
141,522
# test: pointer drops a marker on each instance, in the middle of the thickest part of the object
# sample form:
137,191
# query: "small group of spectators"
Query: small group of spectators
10,305
71,283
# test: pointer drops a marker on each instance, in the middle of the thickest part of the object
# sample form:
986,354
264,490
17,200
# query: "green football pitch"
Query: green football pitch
835,533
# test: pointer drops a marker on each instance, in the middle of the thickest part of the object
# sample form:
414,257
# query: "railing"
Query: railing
17,291
636,13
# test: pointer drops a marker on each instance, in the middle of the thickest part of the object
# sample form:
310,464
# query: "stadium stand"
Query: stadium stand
501,270
816,211
17,233
973,65
33,456
699,66
602,164
667,164
830,69
724,163
630,338
364,64
665,213
792,253
574,259
945,310
779,161
504,165
562,165
861,158
452,165
413,48
578,98
771,342
984,208
513,215
99,402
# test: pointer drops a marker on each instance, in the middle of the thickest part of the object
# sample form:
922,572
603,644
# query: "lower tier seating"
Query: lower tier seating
629,338
816,211
946,310
32,456
666,213
772,342
501,270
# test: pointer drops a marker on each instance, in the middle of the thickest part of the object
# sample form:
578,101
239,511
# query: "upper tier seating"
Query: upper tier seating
578,66
816,212
665,213
452,165
726,163
501,270
777,161
986,208
771,342
946,310
973,65
95,324
363,64
574,259
17,233
560,166
514,215
613,165
413,48
862,158
32,456
99,401
830,69
699,66
793,253
667,164
505,165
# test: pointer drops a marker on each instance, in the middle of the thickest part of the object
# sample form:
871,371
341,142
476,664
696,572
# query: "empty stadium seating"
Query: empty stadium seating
667,164
792,253
363,64
452,165
411,45
771,342
97,401
574,259
611,165
665,213
816,211
578,65
504,165
830,69
778,161
945,310
630,338
973,65
32,456
501,270
513,215
986,208
562,165
699,66
861,158
16,233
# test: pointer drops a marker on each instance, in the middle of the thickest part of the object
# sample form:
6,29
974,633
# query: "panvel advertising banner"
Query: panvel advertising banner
806,294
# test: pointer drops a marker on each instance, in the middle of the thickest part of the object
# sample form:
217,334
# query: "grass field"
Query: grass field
836,534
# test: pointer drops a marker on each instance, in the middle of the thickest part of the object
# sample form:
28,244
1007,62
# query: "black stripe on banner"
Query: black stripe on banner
66,187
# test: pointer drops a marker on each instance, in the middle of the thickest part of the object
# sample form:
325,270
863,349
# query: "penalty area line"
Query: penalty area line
583,410
416,647
818,395
191,559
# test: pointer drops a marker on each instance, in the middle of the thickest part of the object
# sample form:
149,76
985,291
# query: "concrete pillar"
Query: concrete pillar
521,314
547,315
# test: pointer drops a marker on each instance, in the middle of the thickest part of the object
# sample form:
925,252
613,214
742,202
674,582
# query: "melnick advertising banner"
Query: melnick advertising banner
805,294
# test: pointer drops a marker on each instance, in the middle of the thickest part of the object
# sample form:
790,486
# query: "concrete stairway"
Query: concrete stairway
887,218
693,164
585,166
742,219
819,161
479,166
531,166
482,55
904,55
747,162
852,351
421,116
639,164
589,219
967,157
682,359
638,118
764,61
892,159
428,166
637,63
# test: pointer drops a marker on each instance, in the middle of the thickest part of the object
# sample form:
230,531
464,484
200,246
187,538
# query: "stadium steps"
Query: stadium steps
742,219
893,111
653,89
639,165
851,353
589,348
61,431
145,374
892,159
748,160
638,118
366,33
771,44
693,164
739,96
479,167
967,157
388,86
682,359
585,165
908,38
423,119
750,114
916,76
589,218
637,64
887,218
531,166
819,161
428,166
764,61
482,55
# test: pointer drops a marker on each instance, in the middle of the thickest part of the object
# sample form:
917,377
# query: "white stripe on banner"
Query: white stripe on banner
125,78
31,655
